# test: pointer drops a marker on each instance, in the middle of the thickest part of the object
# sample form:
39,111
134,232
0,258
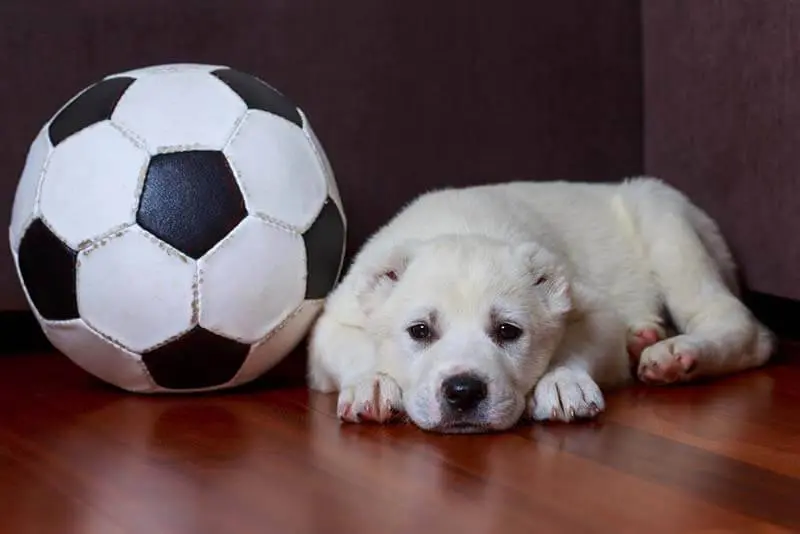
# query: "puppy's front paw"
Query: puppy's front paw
565,395
377,400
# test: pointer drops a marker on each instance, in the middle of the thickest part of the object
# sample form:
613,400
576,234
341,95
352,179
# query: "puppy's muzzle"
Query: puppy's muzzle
463,393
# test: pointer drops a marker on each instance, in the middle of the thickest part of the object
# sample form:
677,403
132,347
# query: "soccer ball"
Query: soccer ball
177,228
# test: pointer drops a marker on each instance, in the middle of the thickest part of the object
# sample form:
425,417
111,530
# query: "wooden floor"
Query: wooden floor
79,457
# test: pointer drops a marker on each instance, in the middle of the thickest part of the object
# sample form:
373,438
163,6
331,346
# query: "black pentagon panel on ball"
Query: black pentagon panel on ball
199,359
259,95
94,105
325,241
47,267
190,200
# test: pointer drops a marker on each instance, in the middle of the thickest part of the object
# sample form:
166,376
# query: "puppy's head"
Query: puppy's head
467,326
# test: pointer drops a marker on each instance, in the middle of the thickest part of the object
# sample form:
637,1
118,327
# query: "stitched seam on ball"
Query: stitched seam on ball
272,333
282,324
137,199
294,230
224,334
169,249
170,339
31,305
196,297
329,176
88,244
304,252
219,244
52,229
237,174
37,211
324,173
134,356
130,136
237,127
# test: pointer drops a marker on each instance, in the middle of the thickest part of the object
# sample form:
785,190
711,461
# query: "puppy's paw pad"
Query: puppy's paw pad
642,336
378,400
565,395
667,362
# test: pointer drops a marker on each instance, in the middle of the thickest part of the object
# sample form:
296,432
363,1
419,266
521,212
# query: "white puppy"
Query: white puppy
474,307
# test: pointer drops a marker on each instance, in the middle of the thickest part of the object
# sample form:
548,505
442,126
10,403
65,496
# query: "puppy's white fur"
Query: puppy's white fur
571,271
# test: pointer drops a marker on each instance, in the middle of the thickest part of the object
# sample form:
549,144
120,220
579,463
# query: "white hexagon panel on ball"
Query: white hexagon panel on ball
252,280
183,109
278,170
135,290
89,186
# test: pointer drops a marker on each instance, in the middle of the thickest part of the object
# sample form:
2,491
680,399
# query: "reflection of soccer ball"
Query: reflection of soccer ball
177,228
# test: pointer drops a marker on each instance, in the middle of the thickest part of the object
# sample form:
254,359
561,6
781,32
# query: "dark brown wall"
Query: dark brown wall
404,95
722,121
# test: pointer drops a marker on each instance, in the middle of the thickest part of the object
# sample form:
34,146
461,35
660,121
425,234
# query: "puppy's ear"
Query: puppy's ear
381,274
548,276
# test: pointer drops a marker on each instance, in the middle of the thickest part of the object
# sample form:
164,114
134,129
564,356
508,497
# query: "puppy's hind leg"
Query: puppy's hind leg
718,334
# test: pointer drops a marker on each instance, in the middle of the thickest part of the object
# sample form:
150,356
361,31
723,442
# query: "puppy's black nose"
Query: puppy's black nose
463,392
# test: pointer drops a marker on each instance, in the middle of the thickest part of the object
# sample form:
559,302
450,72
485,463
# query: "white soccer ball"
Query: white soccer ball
177,228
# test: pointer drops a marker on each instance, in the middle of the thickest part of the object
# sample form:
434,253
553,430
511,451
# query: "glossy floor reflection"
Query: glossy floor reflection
79,457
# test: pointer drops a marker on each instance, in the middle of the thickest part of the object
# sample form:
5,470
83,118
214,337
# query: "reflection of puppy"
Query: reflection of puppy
474,307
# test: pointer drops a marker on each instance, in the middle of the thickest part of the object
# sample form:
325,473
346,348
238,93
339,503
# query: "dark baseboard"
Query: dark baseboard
781,315
22,333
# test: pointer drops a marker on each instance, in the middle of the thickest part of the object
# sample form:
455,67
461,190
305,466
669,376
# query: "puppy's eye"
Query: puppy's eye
507,332
419,332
